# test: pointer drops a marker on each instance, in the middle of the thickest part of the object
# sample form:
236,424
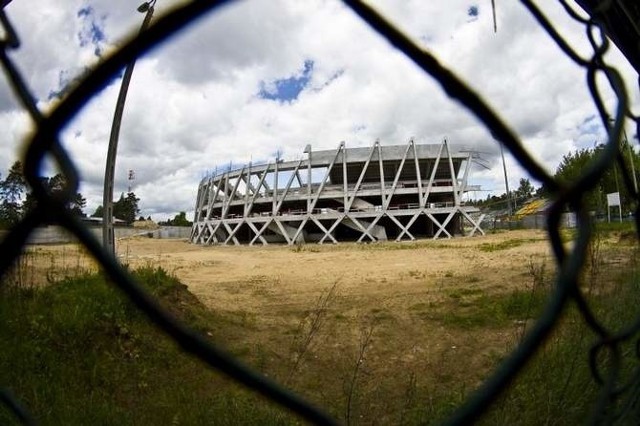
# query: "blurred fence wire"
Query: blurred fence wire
618,394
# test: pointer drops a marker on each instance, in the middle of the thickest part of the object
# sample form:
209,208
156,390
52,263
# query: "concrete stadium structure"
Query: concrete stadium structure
359,194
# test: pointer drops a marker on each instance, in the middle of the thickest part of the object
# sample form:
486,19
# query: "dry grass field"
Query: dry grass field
406,314
378,333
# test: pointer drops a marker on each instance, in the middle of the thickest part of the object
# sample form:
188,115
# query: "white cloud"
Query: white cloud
193,102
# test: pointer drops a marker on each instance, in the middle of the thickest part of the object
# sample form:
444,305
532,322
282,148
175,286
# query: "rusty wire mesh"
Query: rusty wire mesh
624,391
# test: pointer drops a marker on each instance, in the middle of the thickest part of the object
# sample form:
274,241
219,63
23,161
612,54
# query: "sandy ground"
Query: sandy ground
400,289
227,277
422,302
360,269
266,299
274,282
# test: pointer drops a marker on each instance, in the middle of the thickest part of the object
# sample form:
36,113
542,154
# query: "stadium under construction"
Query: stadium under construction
366,194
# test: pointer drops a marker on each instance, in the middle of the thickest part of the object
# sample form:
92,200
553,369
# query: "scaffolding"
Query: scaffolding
359,194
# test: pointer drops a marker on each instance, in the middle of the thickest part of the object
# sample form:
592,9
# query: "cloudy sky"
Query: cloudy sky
267,76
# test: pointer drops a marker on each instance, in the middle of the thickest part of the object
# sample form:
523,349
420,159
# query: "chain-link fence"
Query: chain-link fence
614,387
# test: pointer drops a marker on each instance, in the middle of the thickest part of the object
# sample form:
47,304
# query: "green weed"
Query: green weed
559,384
473,308
502,245
77,352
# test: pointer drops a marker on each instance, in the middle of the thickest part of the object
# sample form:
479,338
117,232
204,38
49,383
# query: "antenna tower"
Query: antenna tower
131,177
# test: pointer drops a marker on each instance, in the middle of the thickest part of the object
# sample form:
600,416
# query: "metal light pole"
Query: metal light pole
506,181
108,239
631,158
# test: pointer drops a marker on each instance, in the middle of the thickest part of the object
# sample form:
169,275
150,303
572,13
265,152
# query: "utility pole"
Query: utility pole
631,160
506,181
108,239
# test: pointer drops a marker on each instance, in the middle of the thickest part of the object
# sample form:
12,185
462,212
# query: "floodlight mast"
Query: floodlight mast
506,181
108,239
631,160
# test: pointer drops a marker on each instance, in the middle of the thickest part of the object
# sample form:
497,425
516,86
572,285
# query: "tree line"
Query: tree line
17,199
126,208
571,167
574,164
178,220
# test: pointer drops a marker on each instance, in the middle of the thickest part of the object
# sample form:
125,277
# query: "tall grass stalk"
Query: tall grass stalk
309,329
366,334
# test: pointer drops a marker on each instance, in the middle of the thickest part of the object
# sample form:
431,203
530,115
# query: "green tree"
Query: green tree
571,167
574,164
14,185
126,208
55,186
12,189
77,204
180,220
99,212
524,191
16,199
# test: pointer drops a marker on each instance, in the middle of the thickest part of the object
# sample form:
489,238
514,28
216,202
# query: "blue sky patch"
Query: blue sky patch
591,132
591,125
64,78
287,89
92,30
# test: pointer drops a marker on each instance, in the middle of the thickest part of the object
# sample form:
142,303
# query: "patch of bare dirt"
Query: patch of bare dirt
391,274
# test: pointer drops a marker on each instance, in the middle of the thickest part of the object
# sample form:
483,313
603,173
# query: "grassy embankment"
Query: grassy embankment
76,352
